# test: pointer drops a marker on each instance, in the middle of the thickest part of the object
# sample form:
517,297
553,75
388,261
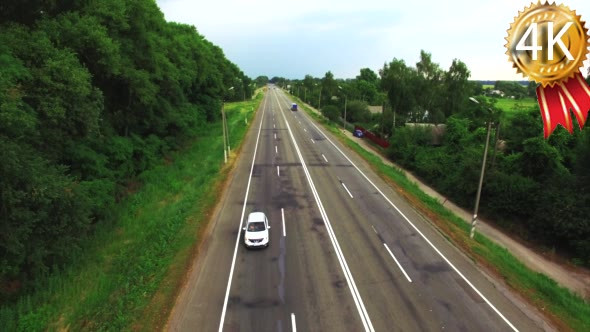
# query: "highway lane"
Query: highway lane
410,284
297,278
346,260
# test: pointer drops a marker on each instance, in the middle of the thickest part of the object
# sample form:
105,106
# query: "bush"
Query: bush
357,111
331,112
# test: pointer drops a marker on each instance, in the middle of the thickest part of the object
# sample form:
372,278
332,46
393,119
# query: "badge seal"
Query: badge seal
548,43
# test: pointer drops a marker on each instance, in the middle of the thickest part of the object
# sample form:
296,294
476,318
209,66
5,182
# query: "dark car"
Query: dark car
358,133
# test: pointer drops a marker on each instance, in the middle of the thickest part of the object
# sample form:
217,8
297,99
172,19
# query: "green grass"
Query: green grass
509,106
569,308
487,86
118,275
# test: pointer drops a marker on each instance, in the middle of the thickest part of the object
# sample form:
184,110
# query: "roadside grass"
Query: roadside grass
136,265
567,310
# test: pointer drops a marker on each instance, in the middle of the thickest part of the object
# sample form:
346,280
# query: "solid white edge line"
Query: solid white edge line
396,262
283,217
293,325
421,234
324,157
343,265
233,263
348,191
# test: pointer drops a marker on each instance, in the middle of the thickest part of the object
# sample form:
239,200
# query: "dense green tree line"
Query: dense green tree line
534,187
91,93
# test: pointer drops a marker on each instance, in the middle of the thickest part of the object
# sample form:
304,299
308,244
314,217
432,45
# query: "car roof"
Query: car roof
256,216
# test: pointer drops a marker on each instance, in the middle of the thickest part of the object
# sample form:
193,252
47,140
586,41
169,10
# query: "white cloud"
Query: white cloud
293,38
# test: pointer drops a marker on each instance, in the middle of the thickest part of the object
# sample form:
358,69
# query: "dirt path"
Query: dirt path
575,278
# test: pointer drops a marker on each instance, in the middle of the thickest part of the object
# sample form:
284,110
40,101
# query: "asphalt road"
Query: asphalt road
346,252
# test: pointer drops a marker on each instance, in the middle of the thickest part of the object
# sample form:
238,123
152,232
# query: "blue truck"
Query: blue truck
293,107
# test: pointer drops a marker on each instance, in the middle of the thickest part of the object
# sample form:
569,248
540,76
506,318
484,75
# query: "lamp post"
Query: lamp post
226,148
345,102
483,169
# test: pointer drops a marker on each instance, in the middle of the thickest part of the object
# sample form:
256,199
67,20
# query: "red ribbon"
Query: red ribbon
557,101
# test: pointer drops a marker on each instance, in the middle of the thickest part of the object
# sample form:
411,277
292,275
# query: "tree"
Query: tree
329,87
511,89
457,88
331,112
399,81
92,93
261,81
357,111
429,84
368,75
532,89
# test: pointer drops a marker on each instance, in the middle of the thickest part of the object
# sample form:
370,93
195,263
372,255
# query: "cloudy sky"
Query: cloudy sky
294,38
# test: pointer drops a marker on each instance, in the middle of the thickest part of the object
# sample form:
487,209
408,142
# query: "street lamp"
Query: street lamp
483,169
345,101
226,148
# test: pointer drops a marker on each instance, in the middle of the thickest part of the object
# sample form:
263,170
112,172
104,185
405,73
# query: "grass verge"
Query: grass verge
567,310
128,275
510,106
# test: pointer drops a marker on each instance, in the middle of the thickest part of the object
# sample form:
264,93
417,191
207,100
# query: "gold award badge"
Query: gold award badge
548,43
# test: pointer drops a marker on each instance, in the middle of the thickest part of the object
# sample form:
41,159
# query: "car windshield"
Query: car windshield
256,226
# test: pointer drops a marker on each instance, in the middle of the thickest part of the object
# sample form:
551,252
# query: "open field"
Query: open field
511,105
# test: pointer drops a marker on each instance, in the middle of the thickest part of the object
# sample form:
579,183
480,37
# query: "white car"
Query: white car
256,234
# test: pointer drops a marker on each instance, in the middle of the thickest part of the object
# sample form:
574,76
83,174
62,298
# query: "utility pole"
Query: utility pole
226,148
224,134
345,101
483,169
